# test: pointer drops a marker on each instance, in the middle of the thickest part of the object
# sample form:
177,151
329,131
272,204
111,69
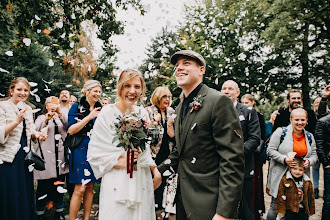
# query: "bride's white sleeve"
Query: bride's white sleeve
102,154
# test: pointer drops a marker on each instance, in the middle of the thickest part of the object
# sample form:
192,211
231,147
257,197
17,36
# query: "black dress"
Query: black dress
16,187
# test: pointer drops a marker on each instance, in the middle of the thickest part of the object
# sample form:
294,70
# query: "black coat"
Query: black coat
322,138
283,120
251,132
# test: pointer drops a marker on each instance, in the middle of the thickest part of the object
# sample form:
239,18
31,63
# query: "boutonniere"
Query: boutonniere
196,104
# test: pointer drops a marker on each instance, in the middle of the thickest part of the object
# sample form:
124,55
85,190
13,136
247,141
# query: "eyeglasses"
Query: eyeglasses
166,96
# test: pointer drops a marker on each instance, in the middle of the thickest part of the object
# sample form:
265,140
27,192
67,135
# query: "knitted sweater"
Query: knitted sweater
9,144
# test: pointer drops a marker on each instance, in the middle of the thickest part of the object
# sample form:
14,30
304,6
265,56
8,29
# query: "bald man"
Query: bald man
251,133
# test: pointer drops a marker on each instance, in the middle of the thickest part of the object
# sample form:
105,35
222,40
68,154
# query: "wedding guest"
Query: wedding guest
269,128
294,99
73,99
81,120
258,185
293,138
322,139
160,113
251,134
16,131
64,99
105,101
316,167
295,199
122,197
54,122
209,154
323,108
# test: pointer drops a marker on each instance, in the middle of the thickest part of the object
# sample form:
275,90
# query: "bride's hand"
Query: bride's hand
157,180
136,155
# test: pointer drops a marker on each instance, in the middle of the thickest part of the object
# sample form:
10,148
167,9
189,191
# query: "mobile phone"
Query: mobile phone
54,100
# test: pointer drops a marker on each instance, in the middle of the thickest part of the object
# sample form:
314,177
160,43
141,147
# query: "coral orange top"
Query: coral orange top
299,145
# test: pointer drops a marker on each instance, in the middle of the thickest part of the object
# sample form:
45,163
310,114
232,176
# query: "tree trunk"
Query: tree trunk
305,70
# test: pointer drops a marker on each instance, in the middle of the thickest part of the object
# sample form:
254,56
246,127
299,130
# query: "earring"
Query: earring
11,94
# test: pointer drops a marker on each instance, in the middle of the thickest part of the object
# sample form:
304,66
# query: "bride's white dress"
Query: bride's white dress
121,197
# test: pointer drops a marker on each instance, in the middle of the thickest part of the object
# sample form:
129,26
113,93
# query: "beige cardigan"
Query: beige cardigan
9,145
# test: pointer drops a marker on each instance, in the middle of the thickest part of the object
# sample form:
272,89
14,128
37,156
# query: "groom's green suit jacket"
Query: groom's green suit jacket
209,157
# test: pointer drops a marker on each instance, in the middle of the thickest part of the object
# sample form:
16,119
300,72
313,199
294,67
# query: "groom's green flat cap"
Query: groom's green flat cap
189,53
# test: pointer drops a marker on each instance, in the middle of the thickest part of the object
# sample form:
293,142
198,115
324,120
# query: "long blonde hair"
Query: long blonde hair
14,82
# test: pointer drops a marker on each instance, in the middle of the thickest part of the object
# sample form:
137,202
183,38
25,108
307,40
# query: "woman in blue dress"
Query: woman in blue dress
81,119
16,130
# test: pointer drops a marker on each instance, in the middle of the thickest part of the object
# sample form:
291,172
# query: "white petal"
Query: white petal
60,189
33,84
31,167
26,149
3,70
37,17
42,197
84,182
59,24
83,49
60,52
86,172
58,136
38,31
9,53
27,41
51,62
167,173
36,110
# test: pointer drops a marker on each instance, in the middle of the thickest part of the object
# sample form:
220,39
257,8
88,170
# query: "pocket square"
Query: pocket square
241,118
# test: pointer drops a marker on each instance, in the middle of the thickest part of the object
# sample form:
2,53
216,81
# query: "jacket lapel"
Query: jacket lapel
187,124
177,124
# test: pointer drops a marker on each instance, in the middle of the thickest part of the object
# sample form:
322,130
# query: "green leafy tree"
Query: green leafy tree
296,36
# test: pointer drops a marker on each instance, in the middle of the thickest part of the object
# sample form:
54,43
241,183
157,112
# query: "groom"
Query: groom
209,155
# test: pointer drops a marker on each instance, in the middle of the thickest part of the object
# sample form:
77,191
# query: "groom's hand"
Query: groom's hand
220,217
157,180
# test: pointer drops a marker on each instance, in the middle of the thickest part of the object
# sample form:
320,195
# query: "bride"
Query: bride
122,197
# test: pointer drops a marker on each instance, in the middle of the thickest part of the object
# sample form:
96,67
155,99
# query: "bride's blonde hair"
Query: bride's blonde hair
126,75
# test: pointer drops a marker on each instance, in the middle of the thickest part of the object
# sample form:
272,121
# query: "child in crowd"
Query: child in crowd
295,197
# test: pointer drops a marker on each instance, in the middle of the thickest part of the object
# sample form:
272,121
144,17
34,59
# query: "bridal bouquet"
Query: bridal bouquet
132,132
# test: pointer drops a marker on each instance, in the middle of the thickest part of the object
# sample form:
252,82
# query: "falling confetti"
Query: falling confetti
60,189
51,62
33,84
193,160
86,172
46,31
36,110
287,185
26,149
284,197
9,53
3,70
60,52
59,24
1,162
167,173
42,197
84,182
27,41
37,17
31,167
58,136
38,31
